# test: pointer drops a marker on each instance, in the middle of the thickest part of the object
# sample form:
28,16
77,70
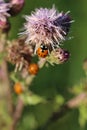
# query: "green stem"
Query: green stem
6,82
20,105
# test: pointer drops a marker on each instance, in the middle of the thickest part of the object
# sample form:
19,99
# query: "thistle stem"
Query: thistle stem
18,112
20,104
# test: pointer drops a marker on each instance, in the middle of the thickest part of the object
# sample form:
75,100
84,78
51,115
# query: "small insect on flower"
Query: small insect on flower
42,51
33,68
46,26
18,88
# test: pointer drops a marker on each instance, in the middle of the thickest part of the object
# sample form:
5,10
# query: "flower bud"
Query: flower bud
16,6
19,54
62,55
58,56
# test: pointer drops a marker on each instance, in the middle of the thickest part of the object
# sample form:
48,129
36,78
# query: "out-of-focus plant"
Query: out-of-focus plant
40,40
80,90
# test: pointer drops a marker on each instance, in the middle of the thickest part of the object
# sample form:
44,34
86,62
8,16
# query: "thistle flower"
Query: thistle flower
46,26
19,54
58,56
4,7
62,55
64,21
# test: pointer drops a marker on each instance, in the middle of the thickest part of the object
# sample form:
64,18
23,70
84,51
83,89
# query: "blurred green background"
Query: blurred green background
58,79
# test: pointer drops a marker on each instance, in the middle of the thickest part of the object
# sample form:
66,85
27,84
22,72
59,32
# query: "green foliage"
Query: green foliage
82,108
32,99
5,120
29,122
83,114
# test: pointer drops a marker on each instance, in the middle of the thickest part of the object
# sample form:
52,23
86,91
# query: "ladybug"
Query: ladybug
18,89
33,68
42,51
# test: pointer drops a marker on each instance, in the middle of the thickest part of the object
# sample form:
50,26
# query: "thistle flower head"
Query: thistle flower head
4,7
19,54
58,56
64,21
61,55
46,26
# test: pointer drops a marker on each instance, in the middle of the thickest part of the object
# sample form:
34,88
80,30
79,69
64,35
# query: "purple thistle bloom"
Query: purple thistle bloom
62,55
4,7
46,26
64,21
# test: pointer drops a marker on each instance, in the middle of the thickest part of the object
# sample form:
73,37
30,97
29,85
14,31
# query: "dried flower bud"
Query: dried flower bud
16,6
19,54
